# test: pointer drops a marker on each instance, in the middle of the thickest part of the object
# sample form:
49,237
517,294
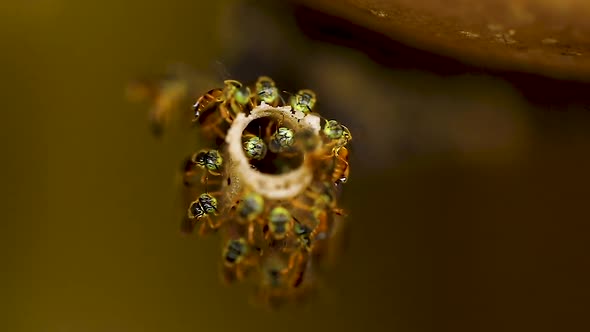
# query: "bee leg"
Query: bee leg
251,229
215,128
311,194
344,161
203,229
251,104
268,129
326,157
225,113
212,224
301,206
205,180
240,273
215,193
292,259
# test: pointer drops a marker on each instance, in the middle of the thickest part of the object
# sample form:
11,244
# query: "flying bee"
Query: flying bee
254,147
280,223
267,91
165,96
204,207
303,101
281,140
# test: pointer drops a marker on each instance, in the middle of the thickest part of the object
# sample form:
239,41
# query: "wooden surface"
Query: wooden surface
548,37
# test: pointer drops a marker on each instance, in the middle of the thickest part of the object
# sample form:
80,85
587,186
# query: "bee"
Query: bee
204,207
237,97
207,102
280,278
254,147
216,109
280,223
317,202
206,112
273,287
281,140
210,161
338,136
249,209
341,170
165,97
303,101
337,133
237,258
267,91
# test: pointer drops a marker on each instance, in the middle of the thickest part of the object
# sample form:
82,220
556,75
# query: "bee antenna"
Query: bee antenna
282,100
287,92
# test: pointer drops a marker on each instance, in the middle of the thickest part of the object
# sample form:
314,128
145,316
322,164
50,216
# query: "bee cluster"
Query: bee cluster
269,182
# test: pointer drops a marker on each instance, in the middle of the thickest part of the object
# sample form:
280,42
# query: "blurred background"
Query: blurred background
469,182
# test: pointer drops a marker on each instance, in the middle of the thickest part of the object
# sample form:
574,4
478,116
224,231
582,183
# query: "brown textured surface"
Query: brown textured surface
549,37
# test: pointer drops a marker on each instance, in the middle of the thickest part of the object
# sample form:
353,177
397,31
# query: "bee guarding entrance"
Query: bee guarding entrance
271,150
270,181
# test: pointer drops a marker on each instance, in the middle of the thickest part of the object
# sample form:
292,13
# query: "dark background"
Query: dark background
468,191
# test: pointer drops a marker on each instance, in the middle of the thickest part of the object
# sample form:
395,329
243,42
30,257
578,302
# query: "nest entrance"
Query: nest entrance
274,162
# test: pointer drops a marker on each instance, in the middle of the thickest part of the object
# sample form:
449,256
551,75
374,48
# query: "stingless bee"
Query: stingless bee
280,223
280,278
210,161
338,136
281,140
207,101
237,97
254,147
303,101
237,258
165,96
204,207
341,170
249,209
267,91
216,109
